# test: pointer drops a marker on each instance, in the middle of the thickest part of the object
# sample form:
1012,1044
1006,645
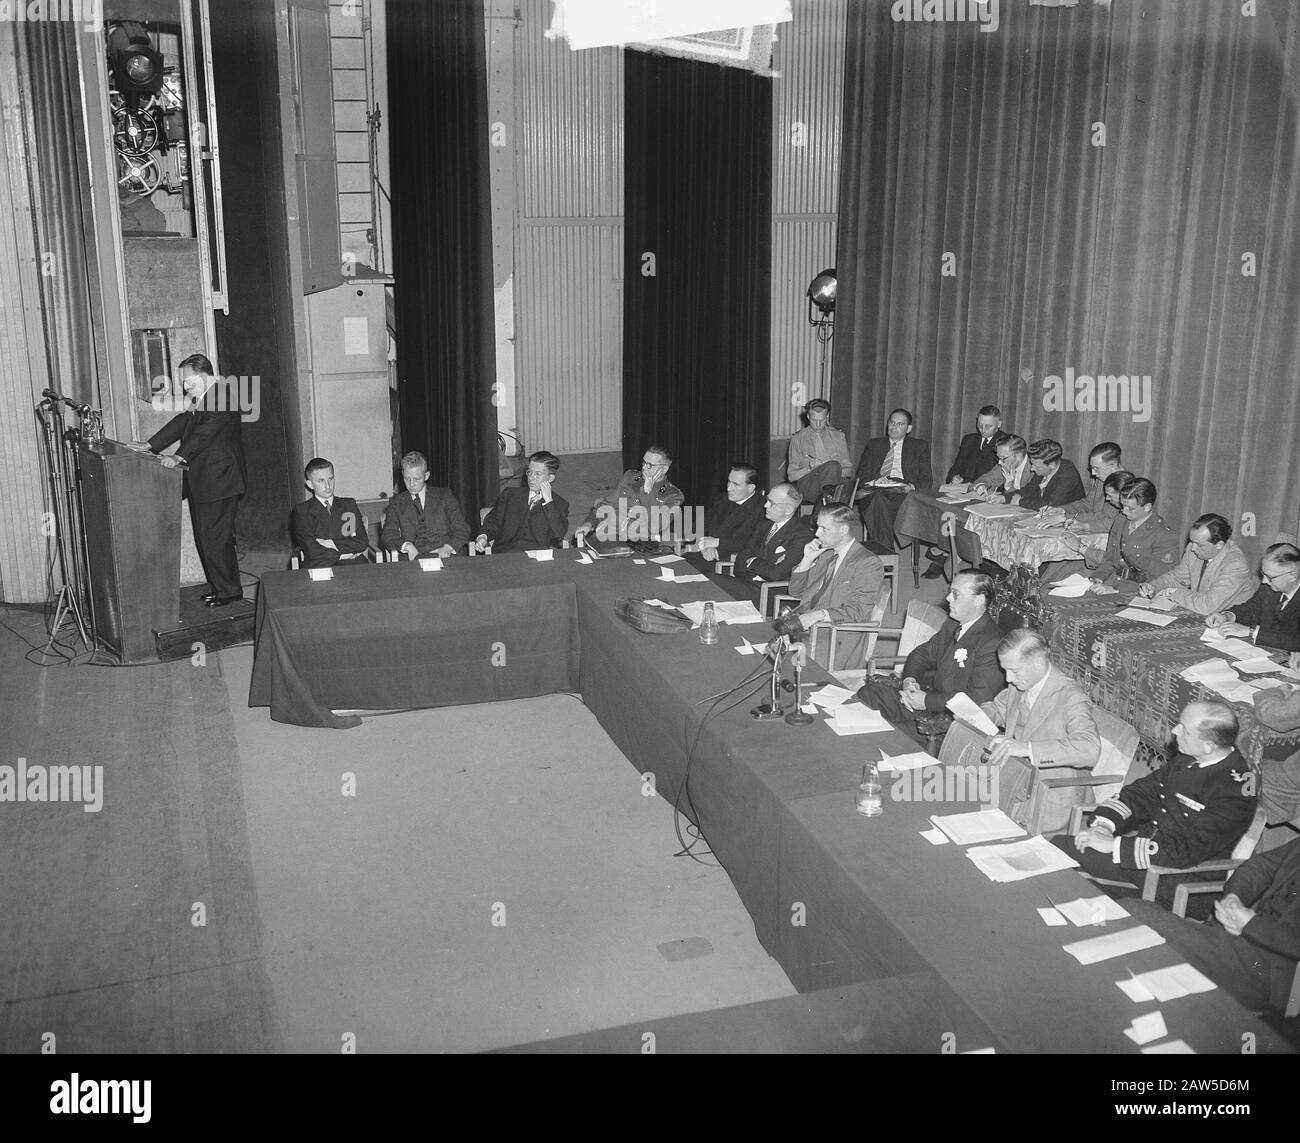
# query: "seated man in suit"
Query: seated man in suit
1278,708
525,519
962,656
1212,574
818,454
423,520
328,529
1251,945
838,581
1141,546
1055,482
644,506
1193,809
898,459
1093,513
1046,719
1008,479
731,519
1270,617
778,543
977,453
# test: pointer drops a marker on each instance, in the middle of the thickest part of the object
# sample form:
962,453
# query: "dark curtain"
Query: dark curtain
697,276
1114,256
446,351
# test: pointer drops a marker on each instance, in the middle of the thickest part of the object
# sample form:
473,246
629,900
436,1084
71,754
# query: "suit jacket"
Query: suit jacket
1061,732
935,664
849,596
440,523
1182,814
343,524
996,480
1269,883
733,524
1278,627
974,457
211,445
916,461
776,558
1141,556
1226,580
1064,488
513,527
1092,513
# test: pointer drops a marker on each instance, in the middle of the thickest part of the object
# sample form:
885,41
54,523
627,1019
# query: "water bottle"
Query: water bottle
709,626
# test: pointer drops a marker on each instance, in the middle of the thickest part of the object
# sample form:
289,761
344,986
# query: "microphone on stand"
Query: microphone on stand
798,716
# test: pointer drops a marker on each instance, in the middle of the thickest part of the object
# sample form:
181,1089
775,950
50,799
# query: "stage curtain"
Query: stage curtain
442,263
697,278
1109,190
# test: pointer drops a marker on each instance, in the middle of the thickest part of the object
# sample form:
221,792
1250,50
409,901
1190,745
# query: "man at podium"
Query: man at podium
212,456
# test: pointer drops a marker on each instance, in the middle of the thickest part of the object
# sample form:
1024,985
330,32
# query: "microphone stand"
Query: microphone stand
798,716
770,711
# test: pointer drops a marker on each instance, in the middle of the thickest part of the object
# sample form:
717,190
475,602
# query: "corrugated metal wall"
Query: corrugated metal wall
809,62
569,258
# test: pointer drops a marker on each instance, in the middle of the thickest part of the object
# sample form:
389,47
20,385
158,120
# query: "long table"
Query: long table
838,899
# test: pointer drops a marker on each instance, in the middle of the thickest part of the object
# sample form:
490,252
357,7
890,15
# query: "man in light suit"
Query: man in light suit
1213,573
838,581
778,543
1012,474
423,520
961,657
1045,718
329,529
899,459
528,518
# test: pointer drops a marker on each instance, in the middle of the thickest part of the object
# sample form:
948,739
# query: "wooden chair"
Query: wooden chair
1244,848
921,623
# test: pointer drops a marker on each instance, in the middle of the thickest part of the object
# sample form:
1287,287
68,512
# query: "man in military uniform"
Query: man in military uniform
644,506
1142,548
819,454
1192,810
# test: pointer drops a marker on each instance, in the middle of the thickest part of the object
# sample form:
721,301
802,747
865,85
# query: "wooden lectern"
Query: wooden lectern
132,509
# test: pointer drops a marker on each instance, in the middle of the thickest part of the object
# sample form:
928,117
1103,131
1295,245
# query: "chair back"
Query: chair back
1119,743
1015,781
1245,847
921,624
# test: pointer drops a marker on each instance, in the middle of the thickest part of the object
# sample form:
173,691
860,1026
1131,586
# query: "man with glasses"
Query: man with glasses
1141,546
894,464
1213,572
645,505
528,518
1012,473
977,452
1092,513
778,543
819,455
1270,617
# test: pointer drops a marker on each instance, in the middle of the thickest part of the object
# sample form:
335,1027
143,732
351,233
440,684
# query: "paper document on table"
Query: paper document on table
1267,684
1092,910
978,825
1257,666
892,764
967,709
745,648
666,559
1170,1047
1210,672
1236,692
667,576
1237,648
540,553
1017,860
728,611
1143,615
1159,603
857,719
1174,982
1146,1028
1072,586
1114,944
1051,916
998,511
830,696
956,499
690,578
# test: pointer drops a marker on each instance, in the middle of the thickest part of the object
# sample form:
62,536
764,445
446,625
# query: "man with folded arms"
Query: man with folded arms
732,517
1270,617
778,543
329,529
1193,809
530,518
978,451
898,459
838,581
1212,574
1046,719
962,656
1251,946
819,454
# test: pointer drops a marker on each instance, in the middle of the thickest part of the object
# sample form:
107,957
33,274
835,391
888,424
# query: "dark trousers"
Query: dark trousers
882,694
214,536
810,486
879,510
1199,905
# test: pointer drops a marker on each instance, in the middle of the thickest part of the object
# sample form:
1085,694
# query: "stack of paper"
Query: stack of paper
998,511
891,763
1162,984
725,611
1020,859
1257,666
1159,603
1072,586
1092,910
668,576
958,499
830,696
540,553
1145,615
1146,1028
1237,648
857,719
1211,673
1114,944
979,825
666,560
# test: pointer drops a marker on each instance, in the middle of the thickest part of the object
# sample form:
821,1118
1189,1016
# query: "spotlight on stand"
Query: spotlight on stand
137,68
821,315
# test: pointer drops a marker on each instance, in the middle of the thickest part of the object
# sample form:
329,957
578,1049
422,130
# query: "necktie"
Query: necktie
812,599
329,505
1201,578
534,498
419,503
888,466
774,529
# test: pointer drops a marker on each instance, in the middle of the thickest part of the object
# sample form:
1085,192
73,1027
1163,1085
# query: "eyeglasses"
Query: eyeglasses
1270,578
646,462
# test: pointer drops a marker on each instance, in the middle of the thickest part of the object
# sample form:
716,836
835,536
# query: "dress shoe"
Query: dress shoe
223,600
934,571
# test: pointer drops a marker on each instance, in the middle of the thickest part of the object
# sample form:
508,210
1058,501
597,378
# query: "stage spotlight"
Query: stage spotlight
821,293
137,68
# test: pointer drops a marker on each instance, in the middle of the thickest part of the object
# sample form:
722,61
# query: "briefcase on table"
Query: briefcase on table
649,619
1017,784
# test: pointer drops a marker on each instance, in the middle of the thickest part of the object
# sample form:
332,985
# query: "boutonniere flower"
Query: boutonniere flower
960,656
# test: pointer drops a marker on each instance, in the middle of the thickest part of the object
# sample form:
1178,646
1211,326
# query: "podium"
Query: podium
132,513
